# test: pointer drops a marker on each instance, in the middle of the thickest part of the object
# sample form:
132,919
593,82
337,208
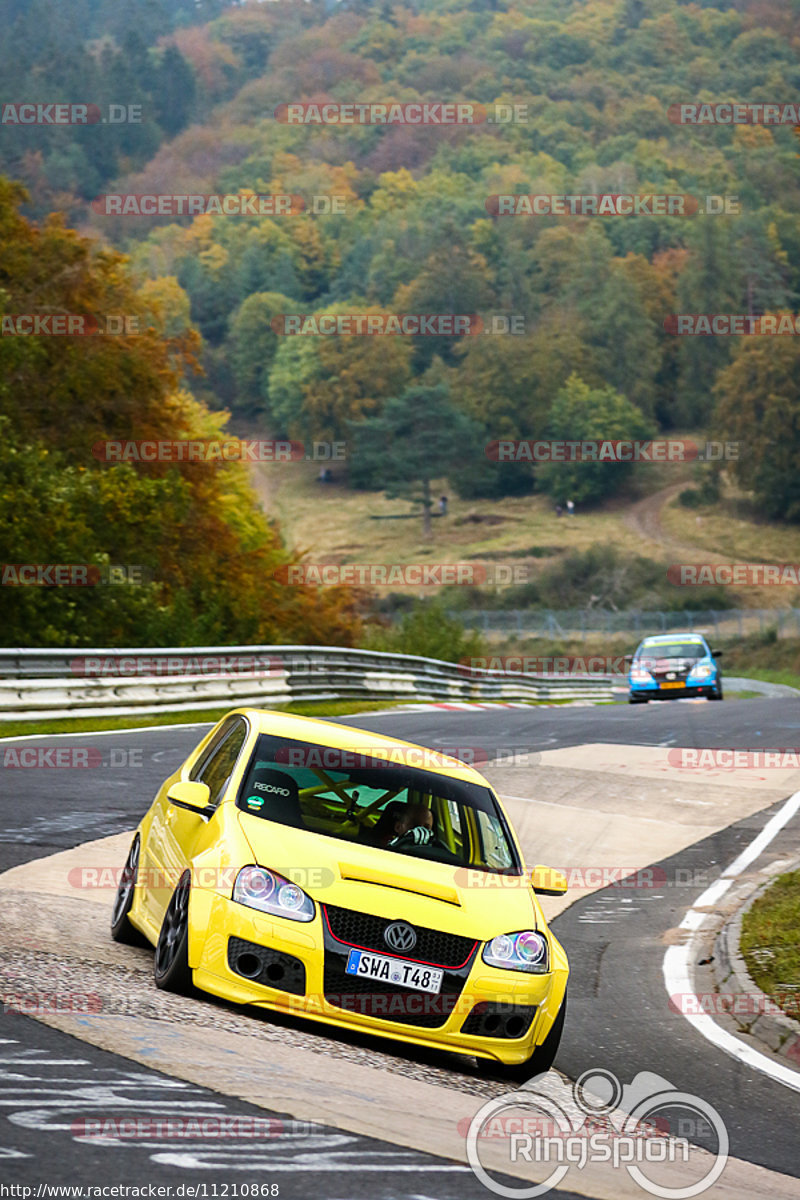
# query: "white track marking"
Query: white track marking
37,737
677,960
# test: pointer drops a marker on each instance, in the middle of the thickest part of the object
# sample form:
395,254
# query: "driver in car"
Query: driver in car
413,827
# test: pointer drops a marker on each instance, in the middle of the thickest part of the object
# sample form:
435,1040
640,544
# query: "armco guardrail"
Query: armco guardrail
35,684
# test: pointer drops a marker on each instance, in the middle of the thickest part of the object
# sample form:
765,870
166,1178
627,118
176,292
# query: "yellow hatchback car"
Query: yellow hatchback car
308,867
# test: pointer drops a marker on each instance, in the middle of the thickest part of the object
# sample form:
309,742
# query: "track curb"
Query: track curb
754,1011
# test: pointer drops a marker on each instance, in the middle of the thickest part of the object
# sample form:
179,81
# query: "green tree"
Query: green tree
758,406
319,384
419,437
210,553
582,413
251,346
430,631
708,284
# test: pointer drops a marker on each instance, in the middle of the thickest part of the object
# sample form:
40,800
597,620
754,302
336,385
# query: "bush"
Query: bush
429,632
700,497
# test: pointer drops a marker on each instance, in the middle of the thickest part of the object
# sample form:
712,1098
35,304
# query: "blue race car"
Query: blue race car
674,665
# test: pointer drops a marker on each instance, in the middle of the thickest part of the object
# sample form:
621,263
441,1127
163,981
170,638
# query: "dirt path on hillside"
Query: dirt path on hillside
644,519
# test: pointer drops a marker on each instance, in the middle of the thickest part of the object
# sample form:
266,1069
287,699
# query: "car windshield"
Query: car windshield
671,650
373,802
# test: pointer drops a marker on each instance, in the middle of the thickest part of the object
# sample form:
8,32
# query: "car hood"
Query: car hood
457,900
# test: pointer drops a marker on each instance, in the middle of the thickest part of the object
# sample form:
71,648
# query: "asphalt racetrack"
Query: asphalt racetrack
615,760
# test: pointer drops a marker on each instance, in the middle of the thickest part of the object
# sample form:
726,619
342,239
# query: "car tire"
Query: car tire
717,694
171,963
540,1061
121,929
637,700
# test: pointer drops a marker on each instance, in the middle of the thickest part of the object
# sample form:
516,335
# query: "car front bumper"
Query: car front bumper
221,932
652,691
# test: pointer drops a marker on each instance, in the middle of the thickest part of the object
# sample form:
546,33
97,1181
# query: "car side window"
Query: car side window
216,767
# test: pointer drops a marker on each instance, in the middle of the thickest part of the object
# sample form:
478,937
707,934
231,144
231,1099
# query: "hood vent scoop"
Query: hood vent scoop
434,891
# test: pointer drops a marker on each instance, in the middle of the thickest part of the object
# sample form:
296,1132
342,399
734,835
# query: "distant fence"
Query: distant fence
582,623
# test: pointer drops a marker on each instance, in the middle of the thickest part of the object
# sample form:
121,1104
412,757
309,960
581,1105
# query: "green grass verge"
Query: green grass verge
791,678
770,945
319,708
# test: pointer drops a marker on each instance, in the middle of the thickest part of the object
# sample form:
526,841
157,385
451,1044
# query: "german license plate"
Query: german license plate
679,683
394,970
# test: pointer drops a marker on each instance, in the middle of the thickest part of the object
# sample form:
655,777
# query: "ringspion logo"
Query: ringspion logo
637,1127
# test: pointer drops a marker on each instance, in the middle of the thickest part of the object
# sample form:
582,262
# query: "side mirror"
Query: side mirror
717,653
191,795
547,881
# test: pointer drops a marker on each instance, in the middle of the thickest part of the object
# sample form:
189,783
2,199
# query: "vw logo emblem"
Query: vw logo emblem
400,936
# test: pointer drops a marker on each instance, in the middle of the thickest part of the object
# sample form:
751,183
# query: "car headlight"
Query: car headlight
269,892
640,675
526,951
702,671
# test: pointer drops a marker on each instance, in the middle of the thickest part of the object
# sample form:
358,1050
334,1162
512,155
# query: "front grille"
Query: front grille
344,928
489,1019
366,930
272,968
678,668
